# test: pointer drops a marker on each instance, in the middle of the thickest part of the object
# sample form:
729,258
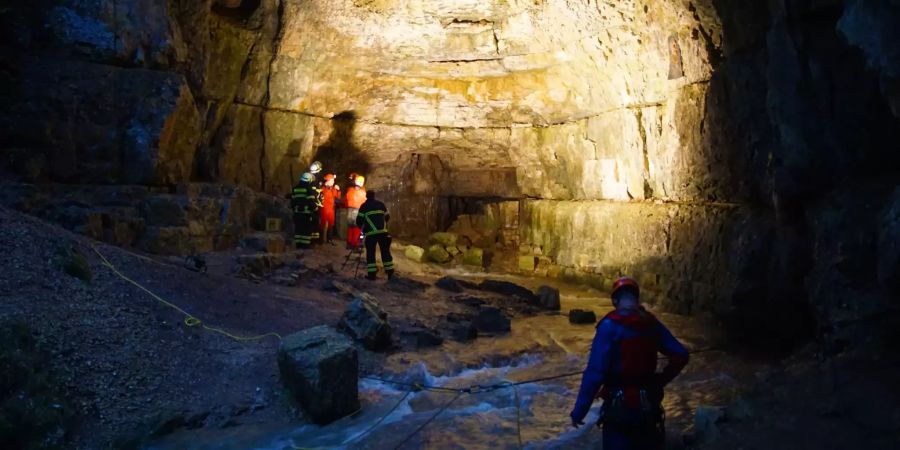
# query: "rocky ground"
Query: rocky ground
130,367
126,368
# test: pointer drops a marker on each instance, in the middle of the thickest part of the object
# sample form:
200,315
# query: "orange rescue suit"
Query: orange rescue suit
356,196
330,195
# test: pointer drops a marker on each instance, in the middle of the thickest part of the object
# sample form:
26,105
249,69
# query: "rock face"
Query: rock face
320,368
367,323
186,220
714,144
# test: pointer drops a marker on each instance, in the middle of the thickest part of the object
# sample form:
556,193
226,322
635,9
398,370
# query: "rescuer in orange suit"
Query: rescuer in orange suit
331,196
355,197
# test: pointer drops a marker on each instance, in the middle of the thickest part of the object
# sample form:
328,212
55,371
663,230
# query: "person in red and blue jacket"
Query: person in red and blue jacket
621,370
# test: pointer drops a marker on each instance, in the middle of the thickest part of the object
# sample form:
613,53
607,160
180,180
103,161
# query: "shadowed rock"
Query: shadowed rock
460,328
449,284
580,317
548,298
492,320
510,289
367,323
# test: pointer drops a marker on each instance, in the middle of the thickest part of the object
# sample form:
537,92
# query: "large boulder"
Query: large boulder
437,253
443,239
473,257
320,369
414,253
580,316
509,289
367,323
548,298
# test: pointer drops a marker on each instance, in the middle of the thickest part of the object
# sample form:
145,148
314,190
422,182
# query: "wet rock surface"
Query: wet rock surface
320,368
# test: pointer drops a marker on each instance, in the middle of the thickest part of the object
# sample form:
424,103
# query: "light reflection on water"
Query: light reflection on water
539,346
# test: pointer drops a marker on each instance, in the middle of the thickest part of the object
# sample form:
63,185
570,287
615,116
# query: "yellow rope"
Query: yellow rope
189,319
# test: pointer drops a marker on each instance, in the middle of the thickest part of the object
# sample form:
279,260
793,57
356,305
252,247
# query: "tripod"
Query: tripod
359,259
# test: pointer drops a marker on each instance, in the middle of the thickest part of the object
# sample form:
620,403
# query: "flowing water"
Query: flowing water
538,347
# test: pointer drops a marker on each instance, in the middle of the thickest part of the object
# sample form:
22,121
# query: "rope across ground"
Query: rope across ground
191,320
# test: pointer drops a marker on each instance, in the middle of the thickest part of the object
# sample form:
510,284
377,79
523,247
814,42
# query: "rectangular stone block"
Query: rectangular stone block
320,368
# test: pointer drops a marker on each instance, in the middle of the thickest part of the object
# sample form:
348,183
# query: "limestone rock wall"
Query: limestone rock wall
784,168
620,122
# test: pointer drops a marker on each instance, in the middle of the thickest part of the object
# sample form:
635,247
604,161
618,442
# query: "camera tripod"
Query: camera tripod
361,250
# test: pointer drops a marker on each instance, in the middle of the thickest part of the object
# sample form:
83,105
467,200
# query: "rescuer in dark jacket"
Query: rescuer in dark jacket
303,204
623,361
373,218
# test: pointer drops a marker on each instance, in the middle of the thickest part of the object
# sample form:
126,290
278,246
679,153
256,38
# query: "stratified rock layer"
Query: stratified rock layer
712,147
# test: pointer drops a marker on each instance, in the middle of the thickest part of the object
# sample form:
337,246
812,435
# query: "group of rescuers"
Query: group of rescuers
314,208
622,366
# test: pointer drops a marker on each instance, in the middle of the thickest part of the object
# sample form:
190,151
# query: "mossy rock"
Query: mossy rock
437,253
415,253
526,263
444,239
474,257
74,263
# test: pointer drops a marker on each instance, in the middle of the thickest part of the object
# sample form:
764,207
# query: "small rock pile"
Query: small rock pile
444,248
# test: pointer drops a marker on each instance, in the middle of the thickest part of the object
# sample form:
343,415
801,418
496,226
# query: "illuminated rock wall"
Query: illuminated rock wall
619,122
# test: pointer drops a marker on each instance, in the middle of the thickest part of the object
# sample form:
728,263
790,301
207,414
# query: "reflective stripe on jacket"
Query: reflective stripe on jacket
373,217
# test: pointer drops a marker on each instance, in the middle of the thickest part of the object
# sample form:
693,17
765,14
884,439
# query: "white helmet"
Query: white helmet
315,167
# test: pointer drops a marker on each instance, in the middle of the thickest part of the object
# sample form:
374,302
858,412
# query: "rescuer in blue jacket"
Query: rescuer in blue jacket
623,363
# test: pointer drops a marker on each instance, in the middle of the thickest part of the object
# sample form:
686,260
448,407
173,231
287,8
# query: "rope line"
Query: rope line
518,416
430,419
364,433
417,386
190,320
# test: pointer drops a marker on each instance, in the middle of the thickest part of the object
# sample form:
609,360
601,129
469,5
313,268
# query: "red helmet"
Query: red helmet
625,283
